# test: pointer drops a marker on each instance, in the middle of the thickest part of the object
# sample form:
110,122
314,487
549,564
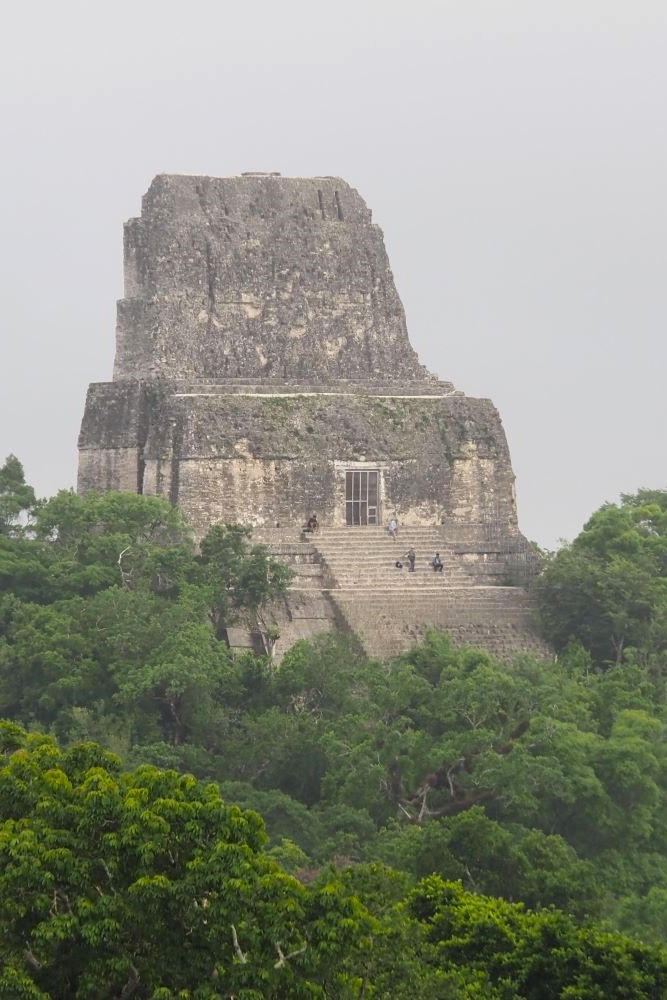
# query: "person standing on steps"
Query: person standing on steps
392,528
411,555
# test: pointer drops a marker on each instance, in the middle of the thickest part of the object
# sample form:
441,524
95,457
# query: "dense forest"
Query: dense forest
441,825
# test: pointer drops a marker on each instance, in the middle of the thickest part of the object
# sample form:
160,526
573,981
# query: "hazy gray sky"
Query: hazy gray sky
514,153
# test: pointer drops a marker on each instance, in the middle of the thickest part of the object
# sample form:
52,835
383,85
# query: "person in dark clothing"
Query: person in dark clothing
410,555
436,563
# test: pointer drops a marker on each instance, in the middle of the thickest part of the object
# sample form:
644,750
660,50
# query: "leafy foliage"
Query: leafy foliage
538,782
106,620
145,884
16,497
531,955
239,579
608,589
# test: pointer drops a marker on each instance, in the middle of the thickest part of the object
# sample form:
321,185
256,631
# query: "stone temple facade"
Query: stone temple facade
264,373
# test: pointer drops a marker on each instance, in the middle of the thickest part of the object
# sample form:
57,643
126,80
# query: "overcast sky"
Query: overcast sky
514,153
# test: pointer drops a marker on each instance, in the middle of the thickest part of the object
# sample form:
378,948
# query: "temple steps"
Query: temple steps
368,557
347,577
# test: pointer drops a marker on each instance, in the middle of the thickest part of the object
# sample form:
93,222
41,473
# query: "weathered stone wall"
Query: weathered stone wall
258,276
104,469
112,437
264,459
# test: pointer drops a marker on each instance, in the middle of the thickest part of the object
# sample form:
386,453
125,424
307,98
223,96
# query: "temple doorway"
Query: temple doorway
362,496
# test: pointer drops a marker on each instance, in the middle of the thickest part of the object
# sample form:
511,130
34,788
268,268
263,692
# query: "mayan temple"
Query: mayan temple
264,373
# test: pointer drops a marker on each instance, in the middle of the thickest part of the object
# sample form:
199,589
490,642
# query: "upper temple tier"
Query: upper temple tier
259,276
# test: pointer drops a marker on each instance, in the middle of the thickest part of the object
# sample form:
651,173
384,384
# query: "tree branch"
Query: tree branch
124,577
30,957
282,959
108,875
423,805
132,985
237,947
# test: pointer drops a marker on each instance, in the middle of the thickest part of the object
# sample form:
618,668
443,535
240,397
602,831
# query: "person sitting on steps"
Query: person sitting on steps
436,563
312,525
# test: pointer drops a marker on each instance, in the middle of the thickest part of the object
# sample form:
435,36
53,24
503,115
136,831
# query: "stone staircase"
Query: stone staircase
362,557
391,608
307,610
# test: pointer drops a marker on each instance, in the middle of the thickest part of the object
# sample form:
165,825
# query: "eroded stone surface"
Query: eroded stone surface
262,357
265,459
259,276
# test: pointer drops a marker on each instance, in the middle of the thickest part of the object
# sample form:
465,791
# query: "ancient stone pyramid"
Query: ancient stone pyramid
263,372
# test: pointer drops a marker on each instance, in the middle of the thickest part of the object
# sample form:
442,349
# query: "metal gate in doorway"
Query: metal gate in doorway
362,496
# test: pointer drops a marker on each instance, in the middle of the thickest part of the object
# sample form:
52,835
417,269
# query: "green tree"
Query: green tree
83,544
240,579
608,589
92,542
145,884
16,497
110,618
532,955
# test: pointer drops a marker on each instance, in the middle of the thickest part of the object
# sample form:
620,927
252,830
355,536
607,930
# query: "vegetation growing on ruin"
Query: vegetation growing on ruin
417,802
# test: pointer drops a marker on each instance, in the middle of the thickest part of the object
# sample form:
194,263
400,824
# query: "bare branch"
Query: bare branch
131,986
59,897
30,957
237,947
450,771
404,810
282,959
124,576
471,879
108,874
